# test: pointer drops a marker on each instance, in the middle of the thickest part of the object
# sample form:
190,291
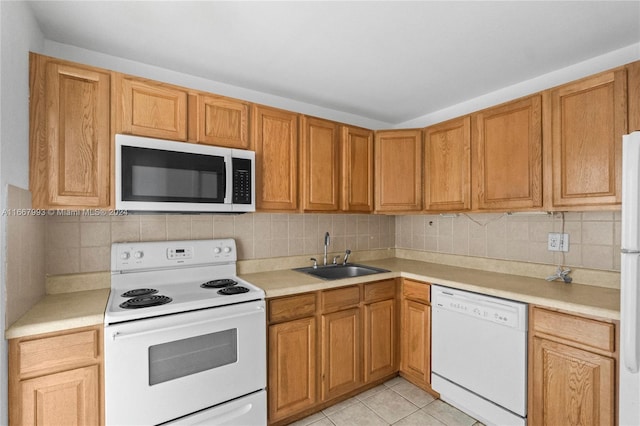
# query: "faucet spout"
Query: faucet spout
327,241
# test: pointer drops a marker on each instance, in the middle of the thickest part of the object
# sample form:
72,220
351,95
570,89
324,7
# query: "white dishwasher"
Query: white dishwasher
479,354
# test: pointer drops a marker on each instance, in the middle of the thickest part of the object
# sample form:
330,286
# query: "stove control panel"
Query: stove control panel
179,253
164,254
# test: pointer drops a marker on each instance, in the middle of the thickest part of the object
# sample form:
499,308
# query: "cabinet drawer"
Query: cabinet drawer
333,300
59,352
288,308
584,331
416,290
380,290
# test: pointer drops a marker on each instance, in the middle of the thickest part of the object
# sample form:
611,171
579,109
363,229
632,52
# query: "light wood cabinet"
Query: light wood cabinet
380,330
219,121
150,108
320,165
70,158
415,347
357,169
341,352
275,141
292,367
587,120
507,156
447,166
56,378
572,369
398,164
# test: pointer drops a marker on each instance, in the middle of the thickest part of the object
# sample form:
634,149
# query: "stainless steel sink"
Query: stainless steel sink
336,272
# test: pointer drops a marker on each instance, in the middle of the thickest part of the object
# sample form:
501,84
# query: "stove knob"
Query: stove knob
216,250
227,249
125,255
138,255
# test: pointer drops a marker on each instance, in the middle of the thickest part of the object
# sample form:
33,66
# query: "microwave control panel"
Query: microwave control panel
241,181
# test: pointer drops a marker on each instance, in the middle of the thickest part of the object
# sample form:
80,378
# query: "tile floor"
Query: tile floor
396,402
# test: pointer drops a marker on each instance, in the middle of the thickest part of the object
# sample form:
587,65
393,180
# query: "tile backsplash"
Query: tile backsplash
83,243
594,237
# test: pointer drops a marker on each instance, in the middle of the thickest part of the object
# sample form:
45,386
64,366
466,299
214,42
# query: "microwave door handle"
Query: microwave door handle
228,166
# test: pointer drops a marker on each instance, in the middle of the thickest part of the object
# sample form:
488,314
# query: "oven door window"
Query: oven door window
169,176
179,358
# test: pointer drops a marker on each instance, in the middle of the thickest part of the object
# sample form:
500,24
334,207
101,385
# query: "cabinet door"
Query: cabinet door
507,156
70,135
341,353
66,398
379,339
152,109
292,367
220,121
275,141
447,166
357,169
571,386
320,165
415,357
398,183
588,119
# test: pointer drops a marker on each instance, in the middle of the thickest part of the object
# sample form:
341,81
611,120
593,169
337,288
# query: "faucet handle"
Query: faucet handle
315,263
335,259
346,256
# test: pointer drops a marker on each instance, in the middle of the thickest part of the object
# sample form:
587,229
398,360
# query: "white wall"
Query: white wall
19,33
546,81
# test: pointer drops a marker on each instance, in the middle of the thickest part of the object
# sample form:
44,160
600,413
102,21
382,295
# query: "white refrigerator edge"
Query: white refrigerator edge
629,380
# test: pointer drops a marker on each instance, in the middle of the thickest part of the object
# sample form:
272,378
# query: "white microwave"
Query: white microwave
154,175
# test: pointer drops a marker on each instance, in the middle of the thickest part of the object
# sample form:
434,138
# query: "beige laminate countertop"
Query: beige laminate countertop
63,311
578,298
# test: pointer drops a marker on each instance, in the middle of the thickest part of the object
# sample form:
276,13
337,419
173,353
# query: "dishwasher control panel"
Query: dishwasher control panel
493,309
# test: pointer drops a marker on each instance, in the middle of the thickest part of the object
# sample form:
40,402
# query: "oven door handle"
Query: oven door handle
190,324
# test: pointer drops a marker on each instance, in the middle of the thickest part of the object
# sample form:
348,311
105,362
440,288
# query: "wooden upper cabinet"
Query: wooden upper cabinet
275,141
447,166
220,121
357,169
150,108
507,156
320,165
398,163
588,119
70,159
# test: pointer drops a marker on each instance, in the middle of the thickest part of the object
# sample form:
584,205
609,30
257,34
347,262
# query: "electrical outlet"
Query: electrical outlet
558,242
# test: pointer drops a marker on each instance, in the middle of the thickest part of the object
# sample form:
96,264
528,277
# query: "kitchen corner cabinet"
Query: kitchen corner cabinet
507,156
588,118
275,141
572,369
219,121
150,108
70,158
415,349
398,177
320,164
357,169
447,166
56,378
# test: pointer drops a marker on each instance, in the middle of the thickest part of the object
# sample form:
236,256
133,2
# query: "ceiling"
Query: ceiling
389,61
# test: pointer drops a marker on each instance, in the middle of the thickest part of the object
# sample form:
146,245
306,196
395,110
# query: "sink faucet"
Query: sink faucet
346,257
327,241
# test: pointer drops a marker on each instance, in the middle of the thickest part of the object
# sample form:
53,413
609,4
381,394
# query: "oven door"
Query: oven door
163,368
159,175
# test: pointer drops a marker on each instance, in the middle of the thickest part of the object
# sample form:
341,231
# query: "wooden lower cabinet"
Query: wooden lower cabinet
415,340
572,370
341,352
317,344
56,378
292,367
